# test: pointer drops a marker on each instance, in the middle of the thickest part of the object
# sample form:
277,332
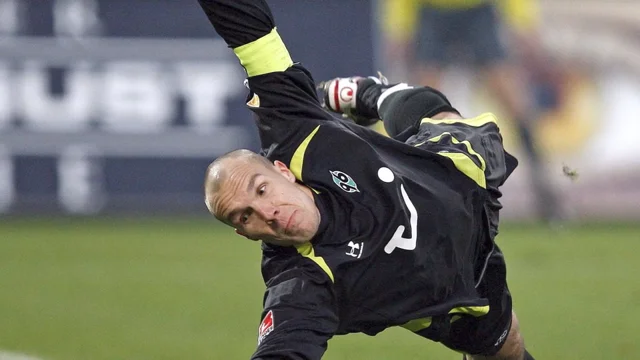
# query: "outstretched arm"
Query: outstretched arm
299,316
247,26
283,94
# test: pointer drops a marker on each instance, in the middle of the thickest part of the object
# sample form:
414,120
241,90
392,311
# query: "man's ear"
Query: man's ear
245,235
284,170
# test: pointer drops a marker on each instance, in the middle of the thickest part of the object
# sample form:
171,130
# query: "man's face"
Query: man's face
263,202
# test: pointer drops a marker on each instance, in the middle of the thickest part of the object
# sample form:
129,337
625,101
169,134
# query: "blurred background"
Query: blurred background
111,110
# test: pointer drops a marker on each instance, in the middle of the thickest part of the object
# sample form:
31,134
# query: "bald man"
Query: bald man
361,232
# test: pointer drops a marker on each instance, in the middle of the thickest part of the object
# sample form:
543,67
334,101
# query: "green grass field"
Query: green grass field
118,289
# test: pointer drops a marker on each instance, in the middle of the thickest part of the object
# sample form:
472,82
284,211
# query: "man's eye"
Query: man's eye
244,218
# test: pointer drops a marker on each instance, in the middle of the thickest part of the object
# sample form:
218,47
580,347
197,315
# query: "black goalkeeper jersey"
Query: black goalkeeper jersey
404,226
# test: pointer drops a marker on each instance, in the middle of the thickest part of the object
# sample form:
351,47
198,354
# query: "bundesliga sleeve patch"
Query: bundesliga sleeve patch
266,326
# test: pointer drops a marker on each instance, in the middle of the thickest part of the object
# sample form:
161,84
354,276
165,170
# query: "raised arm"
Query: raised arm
248,28
282,93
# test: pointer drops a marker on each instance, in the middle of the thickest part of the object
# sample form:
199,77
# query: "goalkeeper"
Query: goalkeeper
361,232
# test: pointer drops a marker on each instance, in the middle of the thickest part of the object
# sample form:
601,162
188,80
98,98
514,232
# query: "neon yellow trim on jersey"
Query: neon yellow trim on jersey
466,166
478,121
476,311
423,323
265,55
307,251
417,324
297,161
462,161
466,143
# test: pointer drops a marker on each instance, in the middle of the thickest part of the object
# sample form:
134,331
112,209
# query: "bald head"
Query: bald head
221,168
260,199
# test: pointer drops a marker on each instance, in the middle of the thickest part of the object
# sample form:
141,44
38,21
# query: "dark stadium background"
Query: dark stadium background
110,111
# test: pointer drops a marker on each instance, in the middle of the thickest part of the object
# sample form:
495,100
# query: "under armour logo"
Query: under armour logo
356,249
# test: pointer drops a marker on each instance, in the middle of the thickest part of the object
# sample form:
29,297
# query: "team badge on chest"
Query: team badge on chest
344,181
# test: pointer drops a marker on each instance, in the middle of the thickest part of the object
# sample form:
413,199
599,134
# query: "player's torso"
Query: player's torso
399,226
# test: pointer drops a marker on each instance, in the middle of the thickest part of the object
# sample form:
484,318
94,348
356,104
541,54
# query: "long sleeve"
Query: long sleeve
248,28
239,22
282,94
299,317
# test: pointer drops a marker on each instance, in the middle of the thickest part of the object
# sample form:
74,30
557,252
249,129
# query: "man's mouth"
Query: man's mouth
289,222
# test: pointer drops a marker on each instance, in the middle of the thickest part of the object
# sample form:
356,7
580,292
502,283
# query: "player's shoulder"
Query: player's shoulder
339,138
280,264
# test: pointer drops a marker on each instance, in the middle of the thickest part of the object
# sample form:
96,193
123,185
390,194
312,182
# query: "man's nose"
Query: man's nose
269,213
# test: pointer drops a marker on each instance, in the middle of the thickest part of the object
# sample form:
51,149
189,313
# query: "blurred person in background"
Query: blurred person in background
423,37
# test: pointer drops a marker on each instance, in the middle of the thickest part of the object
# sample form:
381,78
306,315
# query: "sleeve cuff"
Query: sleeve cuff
265,55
